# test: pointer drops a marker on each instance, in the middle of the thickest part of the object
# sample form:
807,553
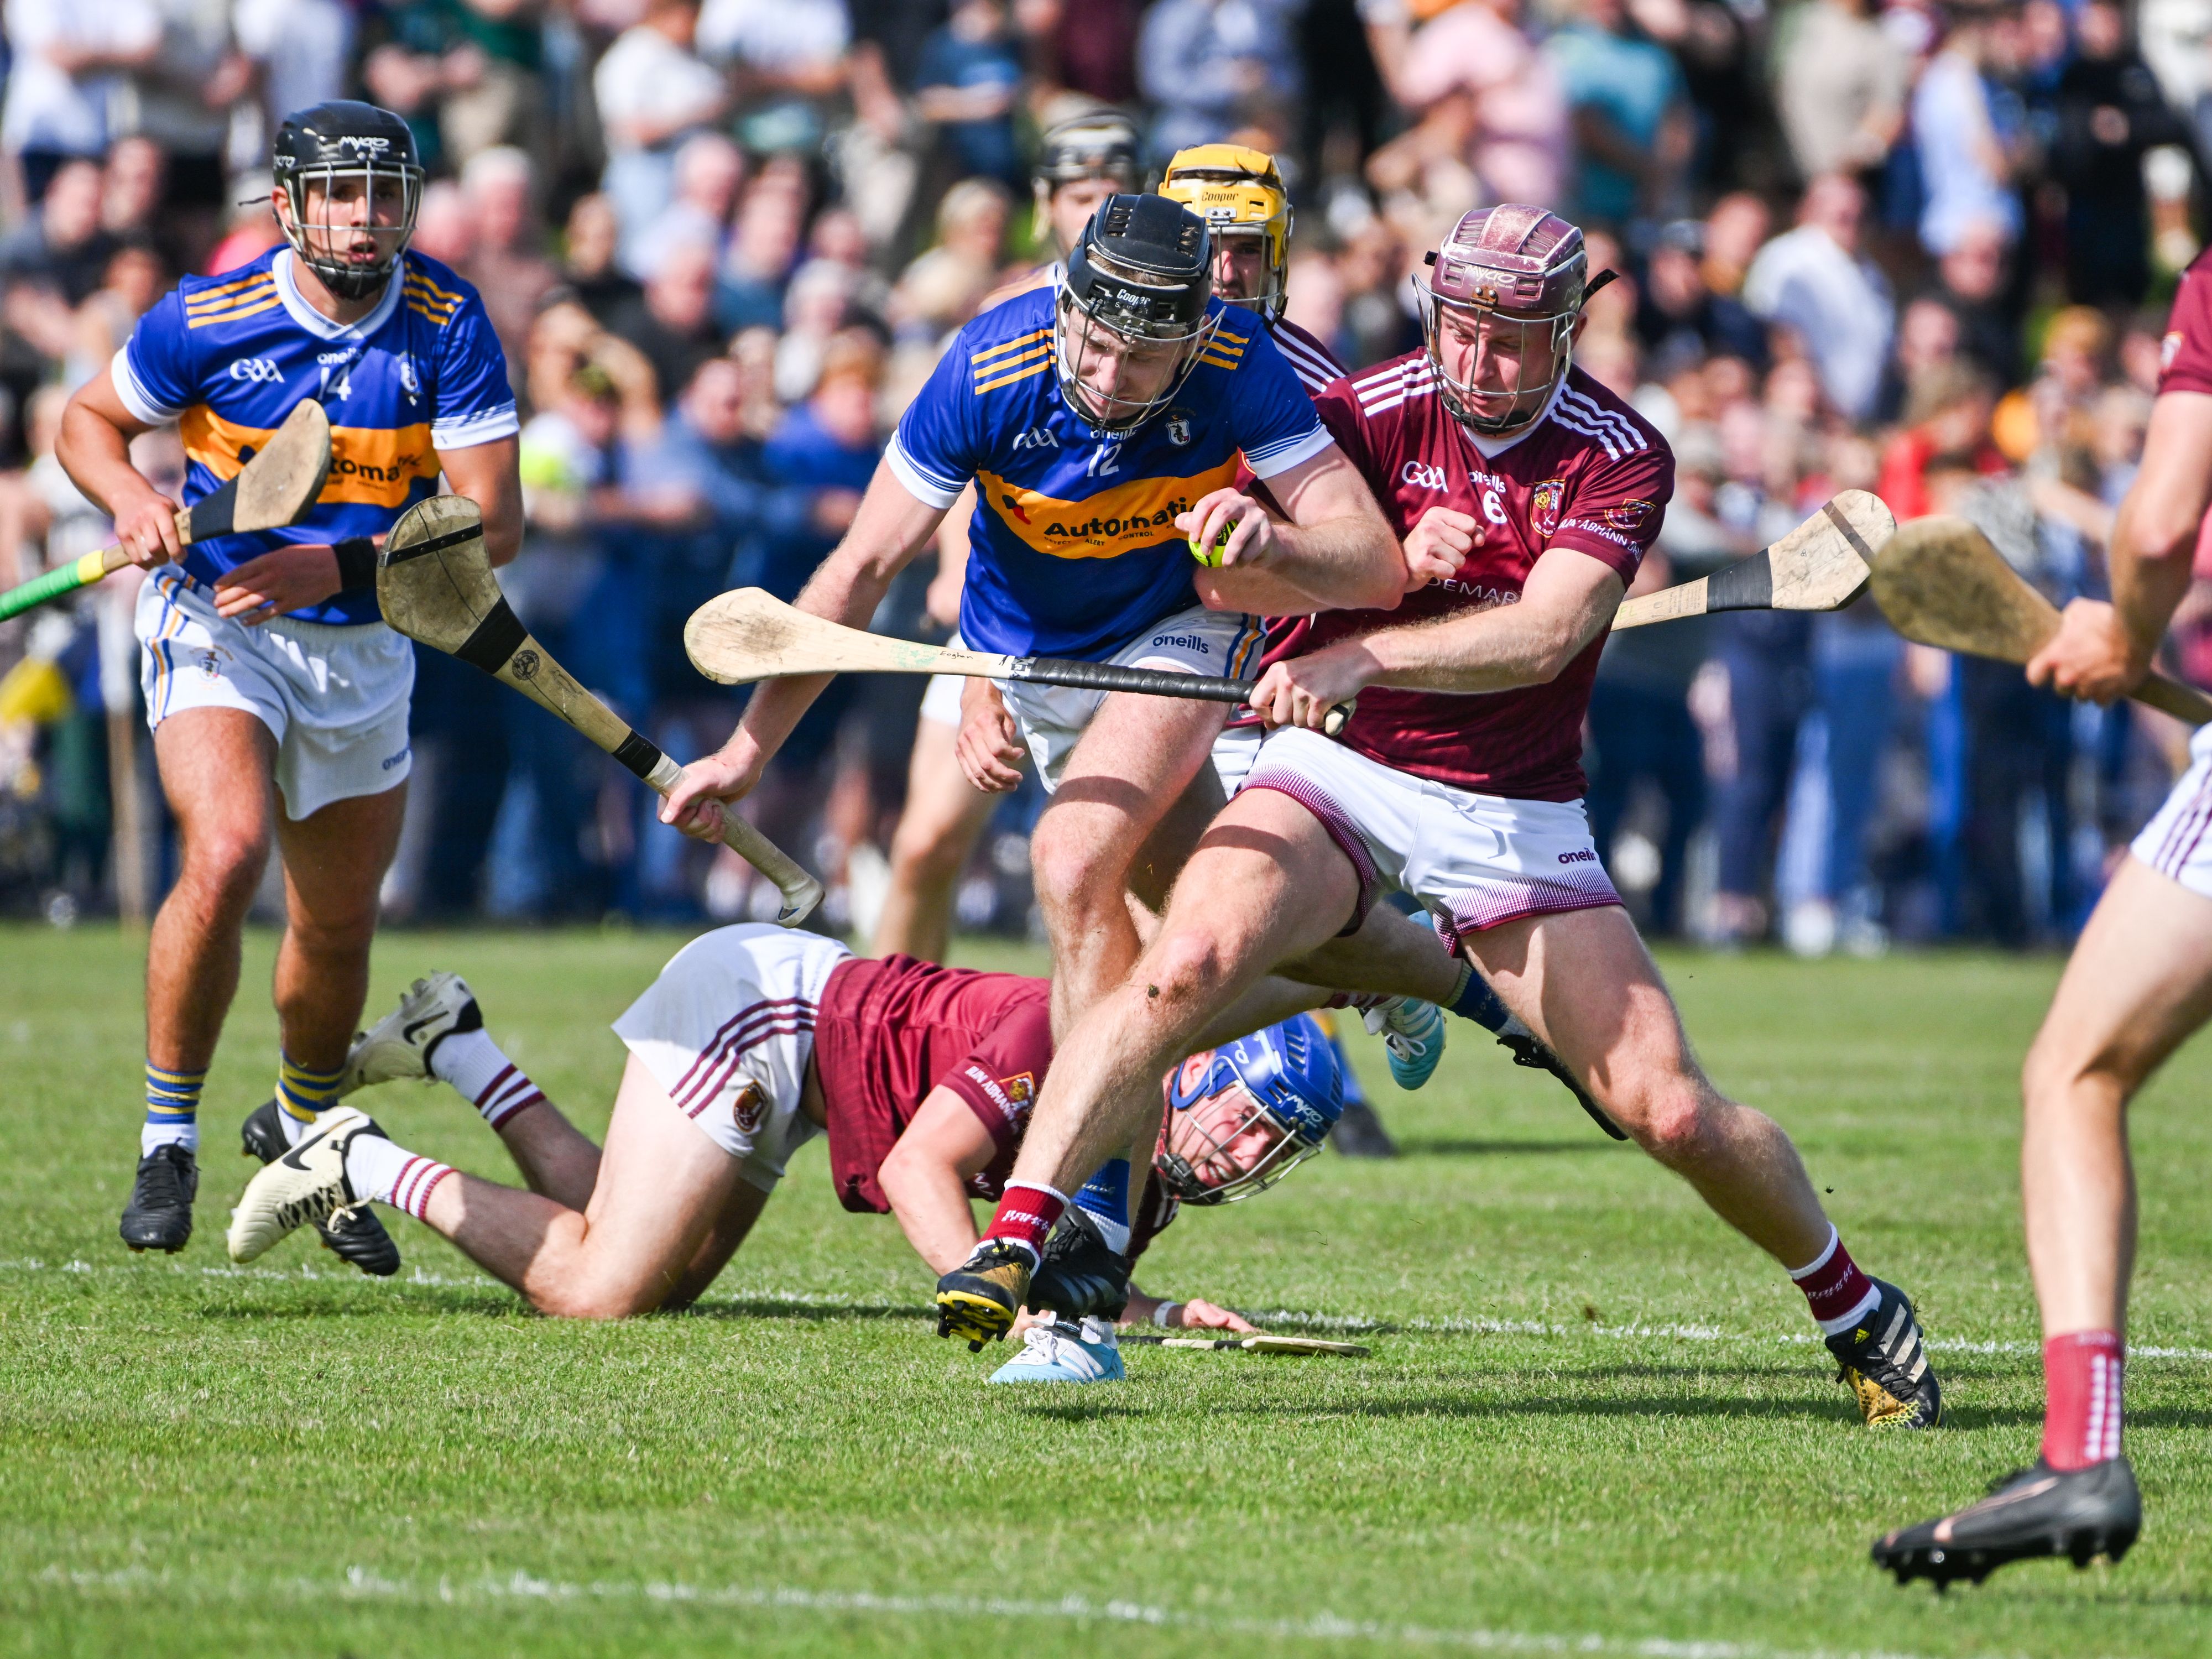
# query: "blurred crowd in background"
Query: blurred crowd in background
1918,248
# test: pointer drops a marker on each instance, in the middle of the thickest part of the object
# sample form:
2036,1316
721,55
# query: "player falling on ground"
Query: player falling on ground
268,678
1091,416
2138,984
1080,162
1539,490
752,1041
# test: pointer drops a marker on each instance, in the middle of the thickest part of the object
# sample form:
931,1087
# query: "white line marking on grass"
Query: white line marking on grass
1267,1318
367,1584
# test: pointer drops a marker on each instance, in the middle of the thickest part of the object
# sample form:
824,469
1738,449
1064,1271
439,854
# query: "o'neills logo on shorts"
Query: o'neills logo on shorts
1183,642
1580,855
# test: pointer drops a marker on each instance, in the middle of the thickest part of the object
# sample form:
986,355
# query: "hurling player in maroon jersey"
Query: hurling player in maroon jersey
1542,490
753,1040
2138,985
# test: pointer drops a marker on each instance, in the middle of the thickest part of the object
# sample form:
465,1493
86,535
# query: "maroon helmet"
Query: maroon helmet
1512,264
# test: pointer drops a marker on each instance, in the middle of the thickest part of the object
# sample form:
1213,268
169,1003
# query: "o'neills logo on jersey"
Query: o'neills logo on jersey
1626,515
1544,504
1129,518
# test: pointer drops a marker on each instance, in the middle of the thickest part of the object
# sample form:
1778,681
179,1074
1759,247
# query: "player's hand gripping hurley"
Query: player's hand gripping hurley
276,487
749,634
1941,582
435,585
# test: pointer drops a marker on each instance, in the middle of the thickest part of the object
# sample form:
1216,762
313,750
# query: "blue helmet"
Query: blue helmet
1288,1084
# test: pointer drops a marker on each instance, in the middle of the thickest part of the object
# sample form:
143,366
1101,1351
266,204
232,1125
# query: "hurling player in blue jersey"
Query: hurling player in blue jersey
1101,420
270,677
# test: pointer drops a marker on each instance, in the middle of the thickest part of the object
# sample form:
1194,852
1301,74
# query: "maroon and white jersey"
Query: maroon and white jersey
1314,363
888,1031
1591,474
2186,354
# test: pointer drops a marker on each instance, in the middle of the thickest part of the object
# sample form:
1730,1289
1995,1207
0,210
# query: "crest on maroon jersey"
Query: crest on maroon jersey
1020,1089
1544,504
1626,515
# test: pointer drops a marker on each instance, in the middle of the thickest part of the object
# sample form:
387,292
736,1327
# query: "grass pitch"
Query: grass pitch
1595,1421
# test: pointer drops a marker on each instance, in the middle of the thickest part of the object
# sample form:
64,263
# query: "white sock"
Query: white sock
377,1169
488,1079
186,1135
295,1129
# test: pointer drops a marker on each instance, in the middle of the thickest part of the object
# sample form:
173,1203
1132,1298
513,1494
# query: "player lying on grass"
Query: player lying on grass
2139,984
752,1041
1540,491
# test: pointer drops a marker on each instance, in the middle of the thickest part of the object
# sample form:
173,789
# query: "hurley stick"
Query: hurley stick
274,489
1822,565
434,583
748,634
1941,583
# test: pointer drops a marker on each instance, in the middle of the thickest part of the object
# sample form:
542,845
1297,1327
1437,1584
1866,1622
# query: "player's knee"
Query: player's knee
1071,871
590,1297
1187,962
1670,1116
2057,1069
928,854
224,866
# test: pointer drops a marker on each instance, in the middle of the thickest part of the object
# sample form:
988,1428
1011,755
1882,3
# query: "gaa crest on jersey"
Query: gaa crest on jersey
1545,502
1179,429
1020,1089
1628,514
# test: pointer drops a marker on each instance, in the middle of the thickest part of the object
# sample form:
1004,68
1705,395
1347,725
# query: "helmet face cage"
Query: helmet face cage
347,170
1239,193
1524,402
1193,1136
1162,303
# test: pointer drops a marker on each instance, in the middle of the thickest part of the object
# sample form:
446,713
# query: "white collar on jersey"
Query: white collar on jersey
297,306
1492,448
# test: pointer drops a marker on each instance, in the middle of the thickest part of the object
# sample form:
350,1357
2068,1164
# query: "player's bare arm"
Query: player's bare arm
1568,598
93,447
2102,651
1334,551
890,531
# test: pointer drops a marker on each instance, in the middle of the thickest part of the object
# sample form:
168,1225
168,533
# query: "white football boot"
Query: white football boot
398,1046
307,1184
1065,1354
1413,1033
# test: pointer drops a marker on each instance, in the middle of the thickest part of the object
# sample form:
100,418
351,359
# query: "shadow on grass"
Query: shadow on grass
768,1307
1085,1412
496,1305
1414,1146
1826,1411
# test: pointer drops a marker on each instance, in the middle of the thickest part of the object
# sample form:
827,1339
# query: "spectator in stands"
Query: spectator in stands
1210,66
673,322
771,228
301,50
64,246
1966,162
1841,90
1814,281
590,271
1485,93
1972,279
969,78
1631,119
942,288
2109,112
785,58
507,263
710,171
1677,319
653,91
68,63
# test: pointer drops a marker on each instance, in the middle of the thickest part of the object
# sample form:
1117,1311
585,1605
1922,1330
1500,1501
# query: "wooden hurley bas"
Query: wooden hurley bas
749,634
1822,565
1941,582
435,585
274,489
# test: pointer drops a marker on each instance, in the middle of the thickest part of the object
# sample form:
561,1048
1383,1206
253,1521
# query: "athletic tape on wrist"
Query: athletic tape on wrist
1163,1315
357,562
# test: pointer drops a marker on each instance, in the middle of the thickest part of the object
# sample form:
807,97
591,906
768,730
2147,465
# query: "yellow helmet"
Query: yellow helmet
1238,193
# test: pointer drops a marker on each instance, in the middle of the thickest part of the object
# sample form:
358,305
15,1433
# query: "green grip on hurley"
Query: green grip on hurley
77,573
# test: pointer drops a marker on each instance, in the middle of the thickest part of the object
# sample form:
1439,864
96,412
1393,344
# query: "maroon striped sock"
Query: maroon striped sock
2082,1376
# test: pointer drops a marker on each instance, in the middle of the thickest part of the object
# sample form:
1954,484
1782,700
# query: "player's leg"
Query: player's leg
2139,982
945,815
1583,981
1132,799
216,766
1266,884
334,863
664,1187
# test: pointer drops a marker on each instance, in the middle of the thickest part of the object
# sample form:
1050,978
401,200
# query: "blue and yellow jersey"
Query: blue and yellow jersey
227,357
1075,550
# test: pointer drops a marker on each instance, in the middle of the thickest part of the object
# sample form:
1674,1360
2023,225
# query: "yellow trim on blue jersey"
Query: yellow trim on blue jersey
214,298
251,305
1130,518
1001,350
370,466
415,274
1038,360
1222,333
1212,361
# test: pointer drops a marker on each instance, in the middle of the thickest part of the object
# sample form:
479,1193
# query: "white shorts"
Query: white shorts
1221,643
1235,753
335,698
728,1032
2175,842
941,701
1475,861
